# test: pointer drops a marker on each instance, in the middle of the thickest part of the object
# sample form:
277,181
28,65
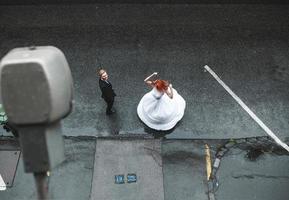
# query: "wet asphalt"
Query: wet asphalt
246,45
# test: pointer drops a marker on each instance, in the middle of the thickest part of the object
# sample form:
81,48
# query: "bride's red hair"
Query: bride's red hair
161,85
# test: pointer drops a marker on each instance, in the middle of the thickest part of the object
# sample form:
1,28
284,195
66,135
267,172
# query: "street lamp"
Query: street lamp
36,91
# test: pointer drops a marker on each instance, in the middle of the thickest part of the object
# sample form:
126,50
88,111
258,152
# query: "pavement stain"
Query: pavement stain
181,156
253,154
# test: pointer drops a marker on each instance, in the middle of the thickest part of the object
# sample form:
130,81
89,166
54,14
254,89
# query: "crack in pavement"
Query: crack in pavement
252,176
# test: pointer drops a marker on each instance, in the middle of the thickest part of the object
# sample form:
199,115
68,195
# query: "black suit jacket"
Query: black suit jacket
107,91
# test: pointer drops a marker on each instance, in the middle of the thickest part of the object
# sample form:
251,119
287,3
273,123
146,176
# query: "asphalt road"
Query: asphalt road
244,44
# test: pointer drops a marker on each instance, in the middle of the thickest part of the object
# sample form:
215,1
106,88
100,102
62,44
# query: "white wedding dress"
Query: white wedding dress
160,112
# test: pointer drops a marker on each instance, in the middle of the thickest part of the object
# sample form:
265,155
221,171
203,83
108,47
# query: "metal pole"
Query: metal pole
41,185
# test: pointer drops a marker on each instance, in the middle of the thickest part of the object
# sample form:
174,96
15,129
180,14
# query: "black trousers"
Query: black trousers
109,103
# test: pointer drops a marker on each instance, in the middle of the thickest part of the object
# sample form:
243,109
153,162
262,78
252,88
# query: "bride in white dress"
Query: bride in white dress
162,107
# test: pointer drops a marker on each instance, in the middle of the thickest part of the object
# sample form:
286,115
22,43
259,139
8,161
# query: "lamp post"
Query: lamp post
36,91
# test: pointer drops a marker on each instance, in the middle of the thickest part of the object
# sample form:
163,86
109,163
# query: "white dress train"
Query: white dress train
160,112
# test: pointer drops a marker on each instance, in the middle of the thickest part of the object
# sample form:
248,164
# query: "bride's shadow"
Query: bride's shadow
158,133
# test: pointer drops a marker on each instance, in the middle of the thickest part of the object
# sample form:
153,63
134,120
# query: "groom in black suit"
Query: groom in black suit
107,91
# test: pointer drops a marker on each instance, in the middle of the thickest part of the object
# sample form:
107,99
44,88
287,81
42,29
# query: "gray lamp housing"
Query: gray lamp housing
37,92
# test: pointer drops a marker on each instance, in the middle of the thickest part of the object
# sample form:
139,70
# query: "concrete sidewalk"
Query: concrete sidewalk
165,169
184,169
265,178
122,157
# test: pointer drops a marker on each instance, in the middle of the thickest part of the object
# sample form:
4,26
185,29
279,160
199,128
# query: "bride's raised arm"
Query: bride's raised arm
169,91
149,82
